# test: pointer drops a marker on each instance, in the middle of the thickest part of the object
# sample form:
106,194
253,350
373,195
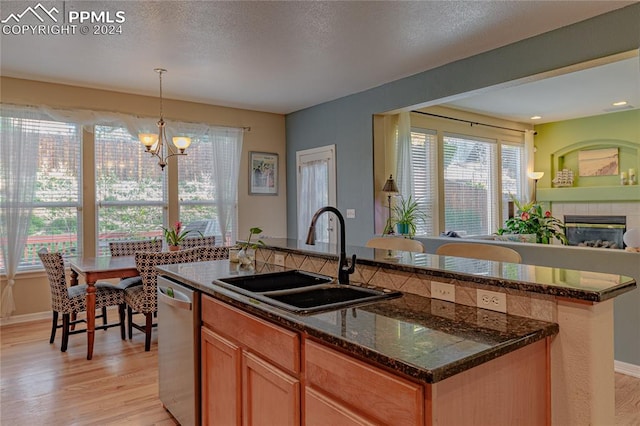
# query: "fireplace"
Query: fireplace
595,231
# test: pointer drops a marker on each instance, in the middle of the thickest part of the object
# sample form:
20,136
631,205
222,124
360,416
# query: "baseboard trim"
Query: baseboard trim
17,319
627,369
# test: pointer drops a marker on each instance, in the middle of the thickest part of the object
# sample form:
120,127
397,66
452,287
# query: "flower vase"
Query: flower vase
174,248
247,256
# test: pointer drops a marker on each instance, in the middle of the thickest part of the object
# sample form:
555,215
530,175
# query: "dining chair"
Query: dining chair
480,251
143,299
73,300
214,253
198,242
396,243
129,248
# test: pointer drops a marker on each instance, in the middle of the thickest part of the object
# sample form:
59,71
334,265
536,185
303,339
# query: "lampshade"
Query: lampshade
535,175
148,139
390,185
181,142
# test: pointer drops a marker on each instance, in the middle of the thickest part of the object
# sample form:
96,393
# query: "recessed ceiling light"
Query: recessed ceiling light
620,103
536,117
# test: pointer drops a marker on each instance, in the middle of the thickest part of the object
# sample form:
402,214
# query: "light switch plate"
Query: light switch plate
278,259
351,213
443,291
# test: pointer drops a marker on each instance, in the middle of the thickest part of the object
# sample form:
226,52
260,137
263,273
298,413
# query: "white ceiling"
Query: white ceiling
275,56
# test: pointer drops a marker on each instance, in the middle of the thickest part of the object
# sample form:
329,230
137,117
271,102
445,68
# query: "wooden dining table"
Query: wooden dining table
94,269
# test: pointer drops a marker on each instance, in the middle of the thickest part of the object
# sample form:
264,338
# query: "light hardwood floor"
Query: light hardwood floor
39,385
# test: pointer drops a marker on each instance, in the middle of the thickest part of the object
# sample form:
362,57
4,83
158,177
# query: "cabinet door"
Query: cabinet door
269,395
377,394
322,410
221,375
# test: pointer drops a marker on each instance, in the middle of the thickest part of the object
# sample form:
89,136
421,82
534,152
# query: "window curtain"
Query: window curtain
18,168
528,161
403,146
314,188
227,150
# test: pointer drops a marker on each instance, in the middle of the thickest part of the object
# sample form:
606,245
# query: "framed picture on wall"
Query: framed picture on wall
263,173
598,162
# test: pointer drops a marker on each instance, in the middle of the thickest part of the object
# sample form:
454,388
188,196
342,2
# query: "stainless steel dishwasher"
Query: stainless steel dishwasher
179,350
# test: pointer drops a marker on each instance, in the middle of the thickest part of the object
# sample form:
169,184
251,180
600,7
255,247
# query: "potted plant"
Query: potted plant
531,219
408,215
247,253
174,236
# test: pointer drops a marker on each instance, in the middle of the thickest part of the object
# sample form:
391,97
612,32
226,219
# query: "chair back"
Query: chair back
198,242
129,248
146,264
214,253
54,266
396,243
480,251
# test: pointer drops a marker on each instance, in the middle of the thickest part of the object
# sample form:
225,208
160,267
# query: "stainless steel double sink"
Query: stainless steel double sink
303,292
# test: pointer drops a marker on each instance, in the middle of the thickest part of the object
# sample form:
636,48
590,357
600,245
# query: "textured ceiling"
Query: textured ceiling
275,56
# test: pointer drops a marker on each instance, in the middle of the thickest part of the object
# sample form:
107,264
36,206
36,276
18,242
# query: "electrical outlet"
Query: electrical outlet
278,259
443,291
492,300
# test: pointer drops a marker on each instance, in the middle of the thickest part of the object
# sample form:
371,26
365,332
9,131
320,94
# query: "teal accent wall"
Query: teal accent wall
558,145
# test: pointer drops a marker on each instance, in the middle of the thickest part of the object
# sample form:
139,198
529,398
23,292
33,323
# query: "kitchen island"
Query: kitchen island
446,347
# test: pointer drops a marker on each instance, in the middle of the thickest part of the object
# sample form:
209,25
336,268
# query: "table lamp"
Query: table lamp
391,189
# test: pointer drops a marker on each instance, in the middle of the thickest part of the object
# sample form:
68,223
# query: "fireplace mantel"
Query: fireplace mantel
590,193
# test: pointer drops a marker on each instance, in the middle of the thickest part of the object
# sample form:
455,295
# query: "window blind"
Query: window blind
424,168
469,185
130,188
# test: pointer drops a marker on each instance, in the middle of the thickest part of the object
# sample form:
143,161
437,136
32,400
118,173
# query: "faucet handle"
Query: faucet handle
351,269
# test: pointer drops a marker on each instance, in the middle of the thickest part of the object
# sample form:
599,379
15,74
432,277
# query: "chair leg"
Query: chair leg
121,314
54,326
65,332
147,331
104,316
130,321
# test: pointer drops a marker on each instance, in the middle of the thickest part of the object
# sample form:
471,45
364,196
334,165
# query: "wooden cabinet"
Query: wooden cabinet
250,369
252,374
342,387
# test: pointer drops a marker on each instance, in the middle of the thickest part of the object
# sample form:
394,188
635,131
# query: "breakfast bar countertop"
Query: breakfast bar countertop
561,282
426,339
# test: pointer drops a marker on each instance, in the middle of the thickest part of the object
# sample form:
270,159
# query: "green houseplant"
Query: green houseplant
531,219
407,215
174,236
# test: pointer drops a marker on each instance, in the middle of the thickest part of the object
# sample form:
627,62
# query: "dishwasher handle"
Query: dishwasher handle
179,301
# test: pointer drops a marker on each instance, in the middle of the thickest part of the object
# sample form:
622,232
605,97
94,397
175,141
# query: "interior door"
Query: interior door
316,188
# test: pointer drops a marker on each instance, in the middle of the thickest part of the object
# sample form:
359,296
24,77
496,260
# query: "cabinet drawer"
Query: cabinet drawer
278,345
377,394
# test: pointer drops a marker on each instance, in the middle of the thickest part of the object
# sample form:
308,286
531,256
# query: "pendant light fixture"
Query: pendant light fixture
154,143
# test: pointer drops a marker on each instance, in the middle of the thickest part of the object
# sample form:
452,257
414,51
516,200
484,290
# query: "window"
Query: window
463,178
130,189
512,161
55,218
207,184
469,185
424,166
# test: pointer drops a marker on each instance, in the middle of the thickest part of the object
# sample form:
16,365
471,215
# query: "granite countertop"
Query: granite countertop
567,283
423,338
